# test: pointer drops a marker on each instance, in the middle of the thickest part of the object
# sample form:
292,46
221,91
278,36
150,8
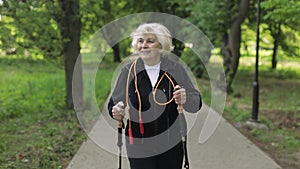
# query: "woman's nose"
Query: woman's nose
145,44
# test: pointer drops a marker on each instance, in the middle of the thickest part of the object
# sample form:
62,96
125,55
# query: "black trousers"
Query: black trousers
172,158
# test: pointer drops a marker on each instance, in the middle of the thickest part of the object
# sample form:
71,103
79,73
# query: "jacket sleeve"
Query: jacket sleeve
118,93
194,101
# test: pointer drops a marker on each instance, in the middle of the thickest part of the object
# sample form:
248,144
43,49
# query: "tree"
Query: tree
232,44
50,27
279,14
221,21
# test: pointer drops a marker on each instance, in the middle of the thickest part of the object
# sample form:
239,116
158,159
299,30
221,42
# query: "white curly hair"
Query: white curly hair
161,32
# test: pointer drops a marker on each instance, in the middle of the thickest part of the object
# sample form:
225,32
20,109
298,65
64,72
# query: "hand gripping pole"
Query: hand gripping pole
119,142
183,133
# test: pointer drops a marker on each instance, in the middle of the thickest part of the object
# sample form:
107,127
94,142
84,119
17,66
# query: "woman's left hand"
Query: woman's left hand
179,95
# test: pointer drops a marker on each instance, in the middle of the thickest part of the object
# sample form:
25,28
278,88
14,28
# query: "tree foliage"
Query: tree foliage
28,25
213,18
286,12
36,26
283,20
221,21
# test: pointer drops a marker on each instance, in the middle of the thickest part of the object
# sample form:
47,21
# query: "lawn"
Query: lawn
37,131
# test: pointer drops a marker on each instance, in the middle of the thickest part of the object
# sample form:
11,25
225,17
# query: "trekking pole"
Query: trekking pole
183,132
120,143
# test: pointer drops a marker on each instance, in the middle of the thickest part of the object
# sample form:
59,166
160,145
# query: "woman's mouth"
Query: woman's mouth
145,52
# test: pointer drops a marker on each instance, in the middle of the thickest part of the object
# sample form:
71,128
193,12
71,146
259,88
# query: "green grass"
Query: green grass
37,131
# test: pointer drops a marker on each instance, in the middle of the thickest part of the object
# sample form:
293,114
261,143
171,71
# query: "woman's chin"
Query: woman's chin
145,55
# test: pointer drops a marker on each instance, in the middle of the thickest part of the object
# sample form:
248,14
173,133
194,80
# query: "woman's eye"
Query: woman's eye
150,41
147,40
141,40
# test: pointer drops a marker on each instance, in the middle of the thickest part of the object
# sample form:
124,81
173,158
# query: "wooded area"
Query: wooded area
40,41
55,29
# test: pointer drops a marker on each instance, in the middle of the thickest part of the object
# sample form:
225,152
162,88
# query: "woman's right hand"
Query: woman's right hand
118,111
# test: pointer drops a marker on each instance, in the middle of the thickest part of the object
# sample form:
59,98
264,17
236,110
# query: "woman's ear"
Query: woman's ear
160,46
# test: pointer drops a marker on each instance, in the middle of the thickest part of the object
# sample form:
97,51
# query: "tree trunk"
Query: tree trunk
116,51
109,33
226,53
70,27
276,43
231,48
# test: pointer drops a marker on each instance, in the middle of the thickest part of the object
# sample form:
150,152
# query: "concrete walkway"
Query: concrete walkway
225,149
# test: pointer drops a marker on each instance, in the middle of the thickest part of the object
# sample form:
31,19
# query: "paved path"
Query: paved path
225,149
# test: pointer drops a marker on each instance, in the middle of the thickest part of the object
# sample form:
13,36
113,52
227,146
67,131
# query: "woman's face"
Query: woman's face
148,48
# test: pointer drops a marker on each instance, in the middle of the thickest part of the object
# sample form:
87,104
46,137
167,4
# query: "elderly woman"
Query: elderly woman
151,91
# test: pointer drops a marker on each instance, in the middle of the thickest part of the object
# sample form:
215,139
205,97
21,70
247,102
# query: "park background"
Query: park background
40,41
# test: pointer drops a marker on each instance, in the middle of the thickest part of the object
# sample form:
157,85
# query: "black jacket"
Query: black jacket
157,119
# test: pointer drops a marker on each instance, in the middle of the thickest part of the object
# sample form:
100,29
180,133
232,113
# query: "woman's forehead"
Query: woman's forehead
147,36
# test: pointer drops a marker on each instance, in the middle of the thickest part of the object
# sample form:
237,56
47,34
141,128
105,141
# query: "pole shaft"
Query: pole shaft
120,143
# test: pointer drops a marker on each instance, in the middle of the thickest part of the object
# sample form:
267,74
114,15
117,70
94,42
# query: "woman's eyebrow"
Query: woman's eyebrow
153,39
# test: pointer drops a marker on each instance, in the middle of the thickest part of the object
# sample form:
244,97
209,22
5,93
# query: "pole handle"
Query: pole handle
120,124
